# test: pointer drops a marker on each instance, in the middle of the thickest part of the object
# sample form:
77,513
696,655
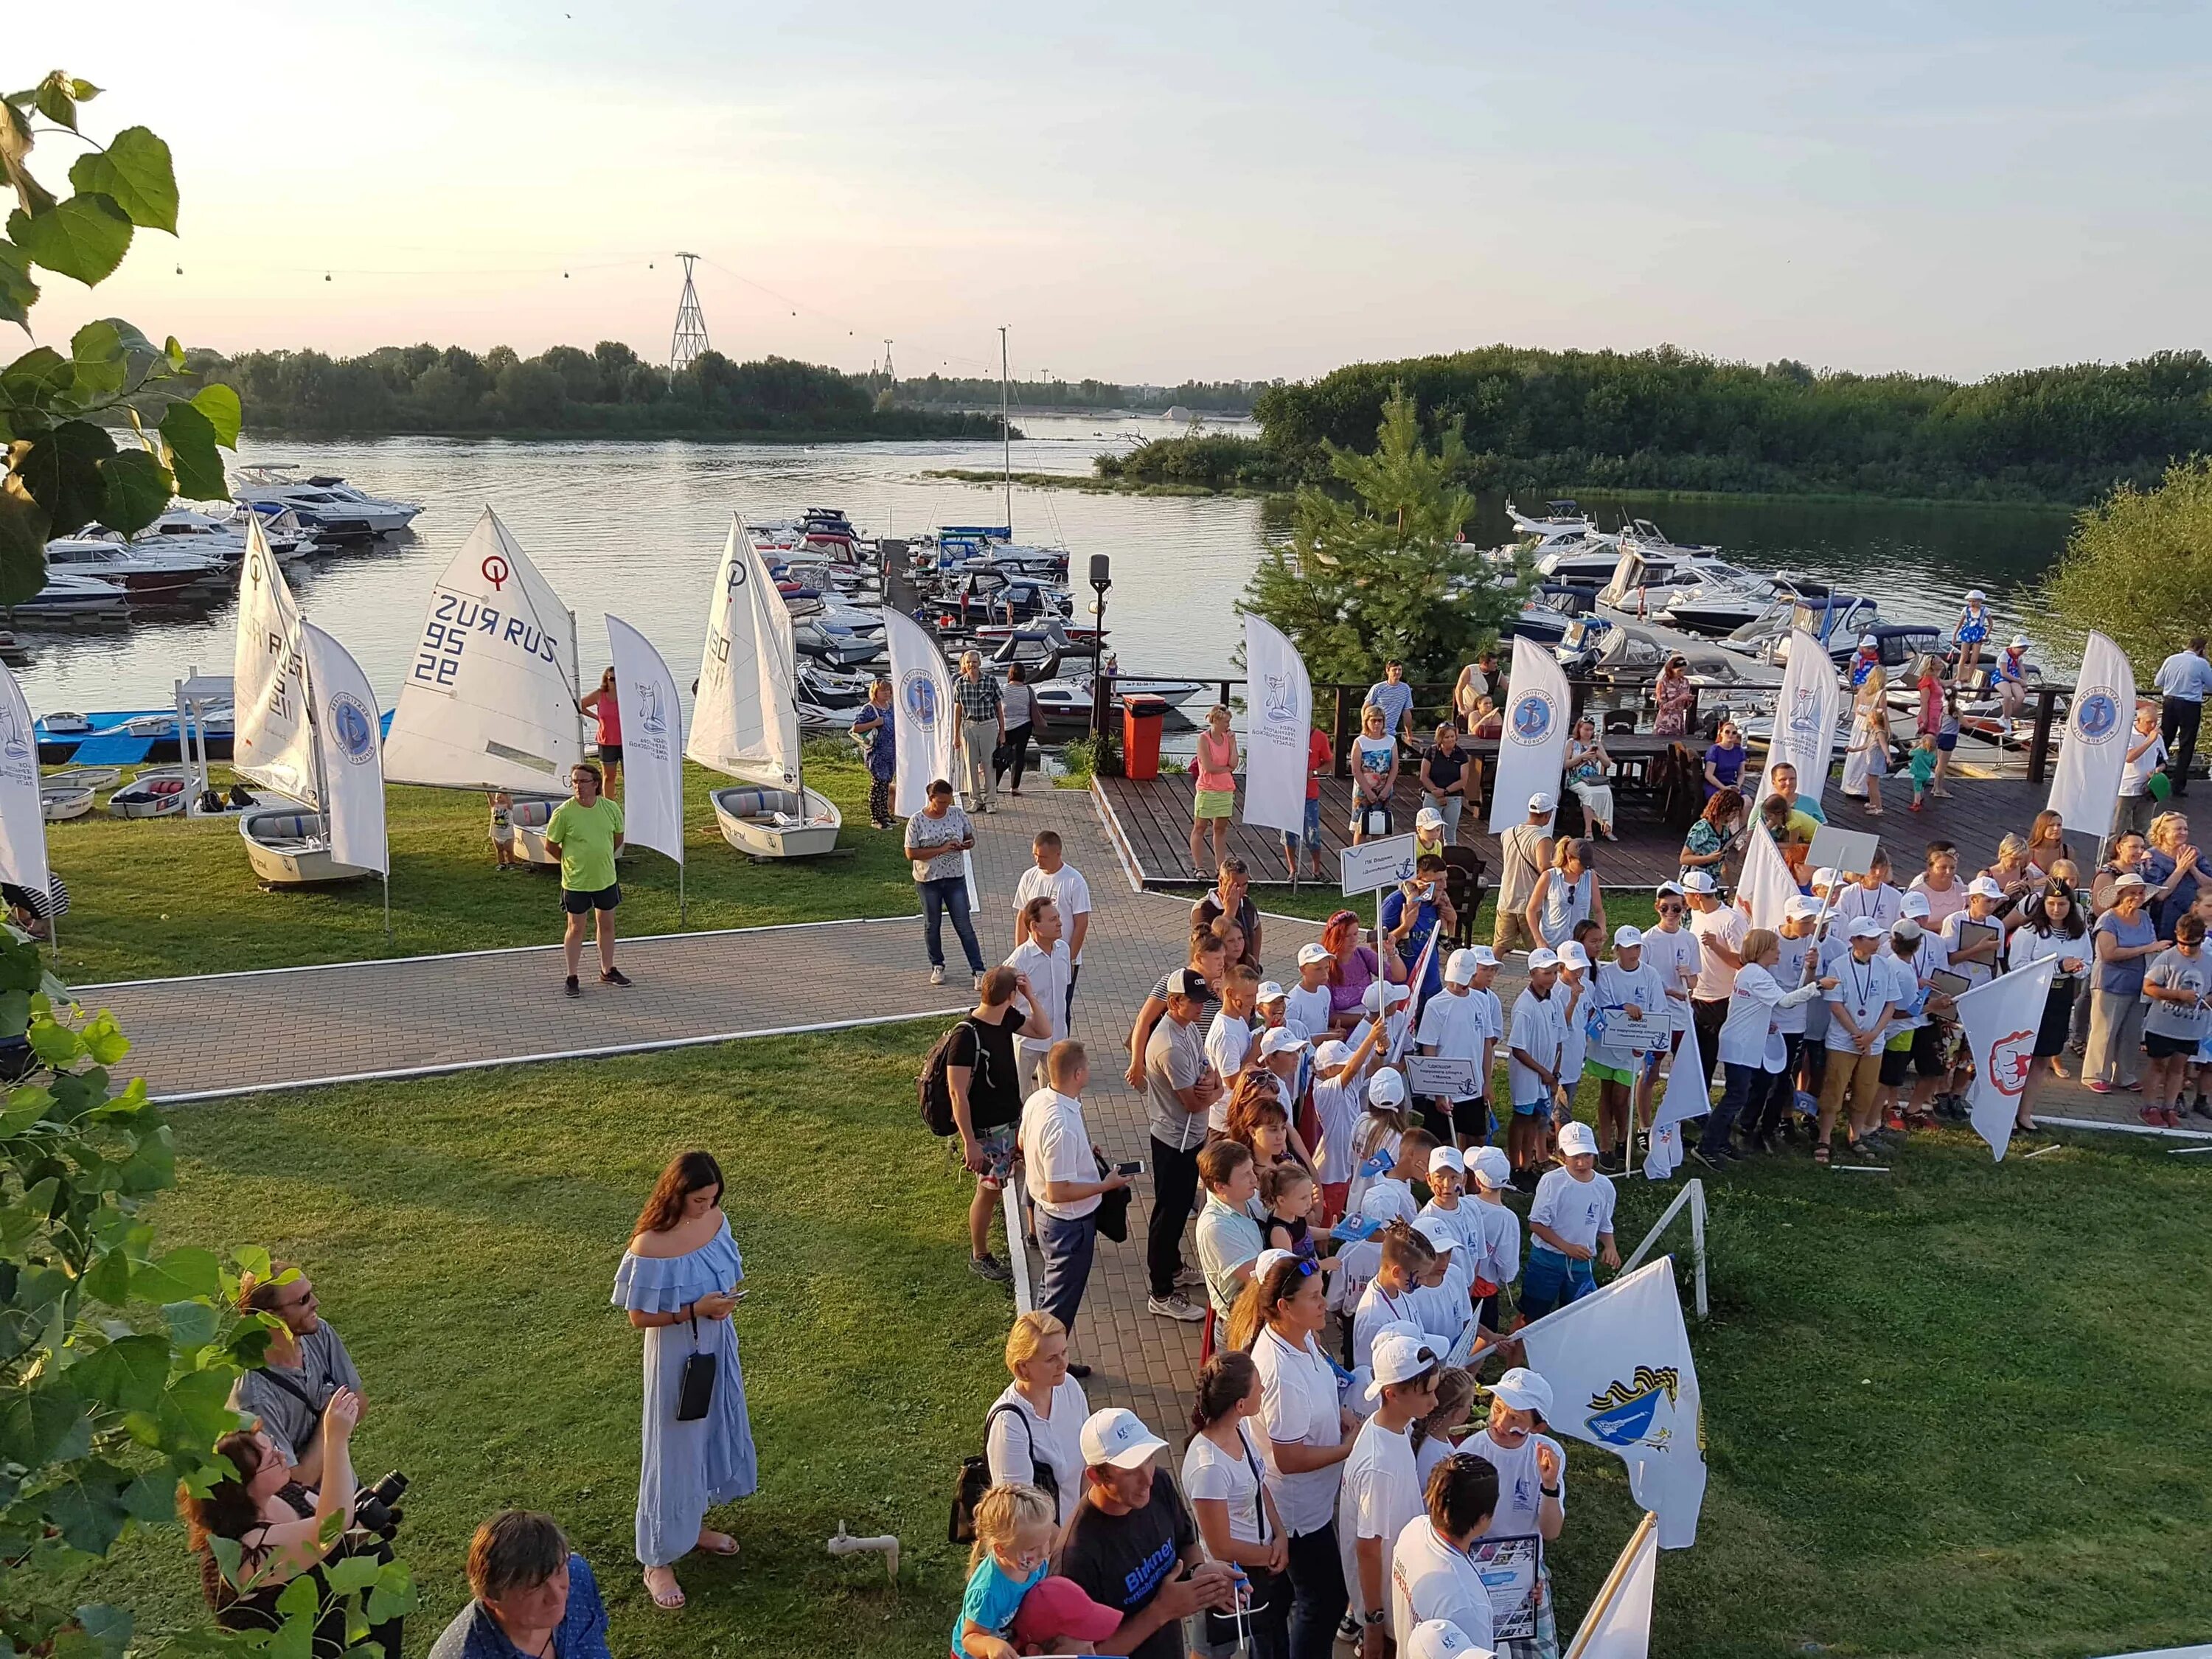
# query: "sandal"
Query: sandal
727,1545
1820,1154
668,1599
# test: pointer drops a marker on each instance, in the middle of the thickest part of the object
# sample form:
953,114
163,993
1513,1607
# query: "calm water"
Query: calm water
637,528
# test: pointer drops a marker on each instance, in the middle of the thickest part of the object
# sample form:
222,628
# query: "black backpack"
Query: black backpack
975,1479
935,1087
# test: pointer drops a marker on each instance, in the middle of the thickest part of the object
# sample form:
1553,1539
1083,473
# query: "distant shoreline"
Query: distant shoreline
701,435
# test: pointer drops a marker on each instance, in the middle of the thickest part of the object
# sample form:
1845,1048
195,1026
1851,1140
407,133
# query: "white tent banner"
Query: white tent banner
922,694
2098,726
270,743
1805,712
1767,884
653,742
1278,715
1622,1376
22,816
2000,1020
1531,750
1618,1624
353,752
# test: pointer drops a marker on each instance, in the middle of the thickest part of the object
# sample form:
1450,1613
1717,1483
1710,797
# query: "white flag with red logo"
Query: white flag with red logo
1999,1021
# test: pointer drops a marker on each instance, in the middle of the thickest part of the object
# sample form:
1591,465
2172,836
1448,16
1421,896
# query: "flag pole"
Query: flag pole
1611,1588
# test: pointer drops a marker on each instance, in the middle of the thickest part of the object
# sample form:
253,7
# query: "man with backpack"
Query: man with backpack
971,1087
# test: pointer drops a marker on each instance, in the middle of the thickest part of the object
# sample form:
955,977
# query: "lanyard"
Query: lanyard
1860,1006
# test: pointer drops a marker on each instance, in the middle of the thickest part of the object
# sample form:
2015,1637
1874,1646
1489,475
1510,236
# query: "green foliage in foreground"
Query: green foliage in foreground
1952,1410
158,897
2139,568
1668,419
64,471
1383,574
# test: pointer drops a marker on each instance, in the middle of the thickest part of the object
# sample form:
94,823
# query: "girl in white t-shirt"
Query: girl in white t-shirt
1236,1512
1434,1437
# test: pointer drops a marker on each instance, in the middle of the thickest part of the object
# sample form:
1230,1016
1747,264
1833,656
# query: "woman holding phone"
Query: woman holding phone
679,1280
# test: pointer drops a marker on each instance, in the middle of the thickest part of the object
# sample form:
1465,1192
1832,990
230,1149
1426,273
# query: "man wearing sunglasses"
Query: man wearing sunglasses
304,1364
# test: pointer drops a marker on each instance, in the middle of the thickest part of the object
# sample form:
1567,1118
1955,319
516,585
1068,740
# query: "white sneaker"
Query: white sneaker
937,976
1175,1306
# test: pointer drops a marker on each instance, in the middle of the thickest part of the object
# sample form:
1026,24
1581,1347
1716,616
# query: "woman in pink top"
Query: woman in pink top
1215,803
1351,970
600,705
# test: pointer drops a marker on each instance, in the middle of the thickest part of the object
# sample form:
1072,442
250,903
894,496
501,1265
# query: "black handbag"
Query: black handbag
694,1385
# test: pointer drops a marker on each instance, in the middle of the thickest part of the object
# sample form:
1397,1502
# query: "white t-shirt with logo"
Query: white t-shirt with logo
1727,926
1455,1025
1430,1578
1578,1210
1299,1405
1678,960
1540,1030
1380,1493
1862,988
1307,1012
1520,1485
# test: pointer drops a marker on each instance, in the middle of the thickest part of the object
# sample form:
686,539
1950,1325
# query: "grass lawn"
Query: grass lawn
1957,1409
156,896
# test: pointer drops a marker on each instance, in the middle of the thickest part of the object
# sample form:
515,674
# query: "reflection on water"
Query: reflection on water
636,528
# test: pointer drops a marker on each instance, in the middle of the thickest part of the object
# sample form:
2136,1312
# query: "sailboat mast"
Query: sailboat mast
1006,435
315,733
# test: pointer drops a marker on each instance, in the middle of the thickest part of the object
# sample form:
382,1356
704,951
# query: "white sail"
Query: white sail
273,745
745,722
489,701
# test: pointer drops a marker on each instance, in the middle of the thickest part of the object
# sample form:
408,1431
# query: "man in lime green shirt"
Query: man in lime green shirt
585,832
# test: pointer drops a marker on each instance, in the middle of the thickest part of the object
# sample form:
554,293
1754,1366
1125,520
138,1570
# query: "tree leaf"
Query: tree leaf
352,1574
14,149
127,1375
85,237
84,91
55,101
180,1276
192,1325
87,1507
104,1040
190,439
302,1598
294,1637
220,405
37,377
135,490
109,1279
135,172
18,293
96,352
60,470
394,1593
152,1497
36,1424
109,1626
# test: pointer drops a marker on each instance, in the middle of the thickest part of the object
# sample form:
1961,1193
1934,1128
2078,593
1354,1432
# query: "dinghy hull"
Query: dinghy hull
289,847
764,823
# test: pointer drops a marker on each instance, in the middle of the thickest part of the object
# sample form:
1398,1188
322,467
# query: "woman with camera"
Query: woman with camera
679,1280
279,1528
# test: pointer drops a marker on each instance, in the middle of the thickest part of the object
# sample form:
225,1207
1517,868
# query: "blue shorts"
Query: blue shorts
1946,741
999,1147
1313,826
1550,1280
1529,1108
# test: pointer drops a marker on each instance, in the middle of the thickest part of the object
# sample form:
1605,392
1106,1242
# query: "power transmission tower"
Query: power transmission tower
890,373
690,326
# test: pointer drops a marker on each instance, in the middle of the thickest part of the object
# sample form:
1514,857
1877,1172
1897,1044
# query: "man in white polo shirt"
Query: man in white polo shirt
1063,884
1061,1168
1431,1573
1041,957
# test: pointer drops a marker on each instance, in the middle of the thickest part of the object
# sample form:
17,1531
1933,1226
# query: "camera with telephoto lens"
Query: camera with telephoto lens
376,1508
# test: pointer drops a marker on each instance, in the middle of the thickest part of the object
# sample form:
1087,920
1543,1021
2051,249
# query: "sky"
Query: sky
1146,193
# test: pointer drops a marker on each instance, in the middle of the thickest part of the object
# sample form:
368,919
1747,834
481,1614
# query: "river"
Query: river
636,528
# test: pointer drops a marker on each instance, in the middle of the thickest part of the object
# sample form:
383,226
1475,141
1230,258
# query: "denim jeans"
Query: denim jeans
1319,1598
1068,1247
938,897
1175,1185
1745,1090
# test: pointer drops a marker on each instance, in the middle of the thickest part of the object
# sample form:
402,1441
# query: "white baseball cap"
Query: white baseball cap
1459,966
1117,1436
1824,876
1906,929
1400,1357
1433,1228
1428,818
1485,957
1984,886
1665,887
1575,1140
1280,1040
1335,1052
1865,927
1915,904
1627,937
1802,906
1447,1158
1490,1165
1698,881
1440,1638
1386,1089
1543,959
1311,954
1540,802
1524,1391
1271,991
1571,955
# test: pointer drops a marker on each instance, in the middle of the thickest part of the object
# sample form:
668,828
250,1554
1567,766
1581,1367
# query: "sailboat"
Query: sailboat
489,697
274,743
744,723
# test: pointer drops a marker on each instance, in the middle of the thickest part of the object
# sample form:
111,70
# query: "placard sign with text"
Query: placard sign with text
1372,866
1848,850
1451,1077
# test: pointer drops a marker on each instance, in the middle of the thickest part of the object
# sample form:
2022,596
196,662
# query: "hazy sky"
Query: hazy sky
1145,192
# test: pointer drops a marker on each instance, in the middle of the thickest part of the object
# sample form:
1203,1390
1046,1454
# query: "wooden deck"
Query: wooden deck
1151,824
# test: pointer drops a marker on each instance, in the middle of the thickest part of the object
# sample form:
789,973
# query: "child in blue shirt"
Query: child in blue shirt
1015,1524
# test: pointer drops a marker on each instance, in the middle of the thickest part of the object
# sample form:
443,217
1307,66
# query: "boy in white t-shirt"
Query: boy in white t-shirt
1455,1025
1490,1172
1229,1040
1307,1008
1380,1489
1537,1044
1447,1203
1572,1223
1339,1095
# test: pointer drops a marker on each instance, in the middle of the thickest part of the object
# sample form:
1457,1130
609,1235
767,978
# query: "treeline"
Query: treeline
1667,419
607,389
1204,397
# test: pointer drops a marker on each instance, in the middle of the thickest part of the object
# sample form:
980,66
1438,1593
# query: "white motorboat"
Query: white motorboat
1566,519
71,597
150,572
59,802
222,535
325,503
1642,536
1645,581
158,792
1713,609
746,721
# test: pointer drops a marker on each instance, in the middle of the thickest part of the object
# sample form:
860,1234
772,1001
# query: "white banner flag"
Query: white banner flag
1622,1376
1618,1623
1277,716
351,738
1686,1096
2087,785
1531,750
2000,1020
921,694
22,816
653,742
1807,712
1766,886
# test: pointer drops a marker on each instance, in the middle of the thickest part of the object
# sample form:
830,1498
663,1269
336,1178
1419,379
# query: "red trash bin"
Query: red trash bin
1142,717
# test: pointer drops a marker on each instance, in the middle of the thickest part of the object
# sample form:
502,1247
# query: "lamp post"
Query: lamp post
1101,692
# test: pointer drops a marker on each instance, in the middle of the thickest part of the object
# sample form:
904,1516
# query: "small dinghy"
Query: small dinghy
58,802
157,793
289,845
778,823
83,777
529,815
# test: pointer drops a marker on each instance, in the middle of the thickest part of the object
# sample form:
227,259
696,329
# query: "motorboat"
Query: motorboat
1577,563
1712,608
59,802
1643,537
221,536
1539,622
158,792
1619,650
1643,582
325,503
828,688
1836,619
74,598
1565,518
834,650
149,571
